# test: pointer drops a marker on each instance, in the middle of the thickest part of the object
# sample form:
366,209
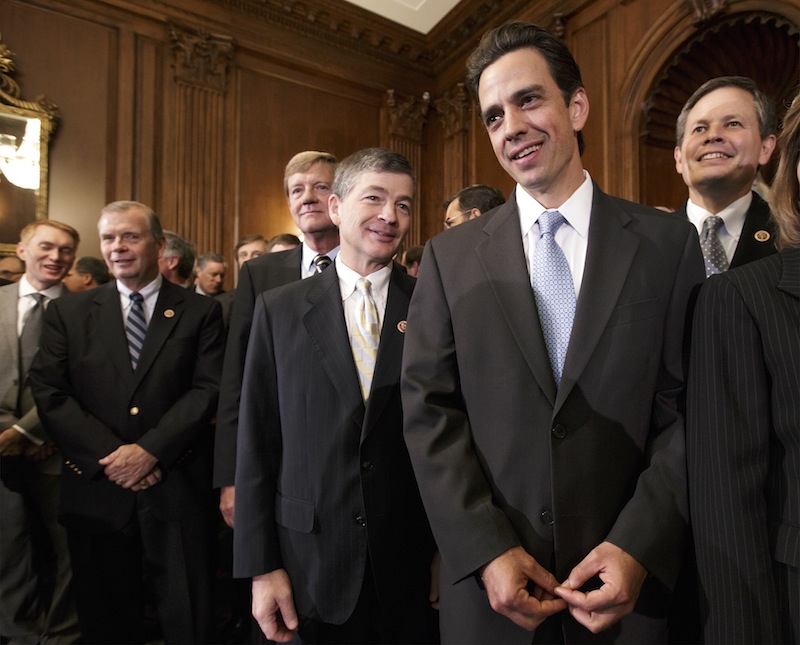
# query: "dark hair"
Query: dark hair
412,255
178,247
369,160
765,109
479,196
785,195
94,267
286,239
521,35
247,239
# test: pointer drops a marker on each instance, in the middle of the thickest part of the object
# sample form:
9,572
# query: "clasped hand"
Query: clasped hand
506,579
131,466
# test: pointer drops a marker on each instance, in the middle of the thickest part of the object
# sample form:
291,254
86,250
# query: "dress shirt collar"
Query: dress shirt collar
733,215
348,278
147,291
577,210
26,288
308,258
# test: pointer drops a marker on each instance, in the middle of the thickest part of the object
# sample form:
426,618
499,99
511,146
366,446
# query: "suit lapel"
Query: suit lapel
758,234
8,320
390,350
503,259
790,274
168,311
609,256
111,329
327,330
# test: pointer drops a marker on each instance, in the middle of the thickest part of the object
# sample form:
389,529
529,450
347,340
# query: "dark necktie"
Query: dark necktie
321,262
136,327
31,334
714,255
554,291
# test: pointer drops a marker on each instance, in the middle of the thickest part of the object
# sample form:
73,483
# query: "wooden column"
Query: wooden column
402,121
201,62
453,112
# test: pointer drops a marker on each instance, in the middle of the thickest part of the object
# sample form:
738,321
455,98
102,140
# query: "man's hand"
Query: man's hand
128,465
506,580
226,503
273,606
13,443
32,452
150,479
622,578
436,566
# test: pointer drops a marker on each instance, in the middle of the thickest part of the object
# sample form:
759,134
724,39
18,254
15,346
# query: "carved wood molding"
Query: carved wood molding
453,111
200,59
406,116
703,10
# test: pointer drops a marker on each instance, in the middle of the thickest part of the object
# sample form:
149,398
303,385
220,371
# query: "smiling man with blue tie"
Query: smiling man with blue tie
541,379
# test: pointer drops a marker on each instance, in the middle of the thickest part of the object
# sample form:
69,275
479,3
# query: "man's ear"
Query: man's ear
333,209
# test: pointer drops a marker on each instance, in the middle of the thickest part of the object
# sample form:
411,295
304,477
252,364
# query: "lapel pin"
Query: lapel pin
169,313
762,235
401,326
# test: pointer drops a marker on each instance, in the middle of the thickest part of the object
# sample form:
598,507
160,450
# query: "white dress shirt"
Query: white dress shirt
350,297
149,293
733,216
307,268
572,237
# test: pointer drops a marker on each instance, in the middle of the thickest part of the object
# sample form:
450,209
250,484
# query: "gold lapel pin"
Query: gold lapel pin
762,235
401,326
169,313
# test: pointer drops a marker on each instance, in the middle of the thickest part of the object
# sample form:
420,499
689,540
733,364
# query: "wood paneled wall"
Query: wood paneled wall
194,106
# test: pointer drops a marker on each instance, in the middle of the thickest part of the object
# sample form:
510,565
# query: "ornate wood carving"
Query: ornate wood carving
559,25
703,10
10,92
453,111
201,59
406,117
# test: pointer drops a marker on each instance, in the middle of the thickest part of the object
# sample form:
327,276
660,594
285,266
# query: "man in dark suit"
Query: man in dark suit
725,133
36,602
544,423
329,522
307,183
247,248
127,382
743,425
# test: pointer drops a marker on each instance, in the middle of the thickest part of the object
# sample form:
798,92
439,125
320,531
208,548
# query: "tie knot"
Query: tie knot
712,223
38,298
549,222
321,262
136,297
364,286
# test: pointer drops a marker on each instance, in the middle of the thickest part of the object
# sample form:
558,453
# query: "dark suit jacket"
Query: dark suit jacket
750,248
259,274
743,449
502,457
321,478
92,401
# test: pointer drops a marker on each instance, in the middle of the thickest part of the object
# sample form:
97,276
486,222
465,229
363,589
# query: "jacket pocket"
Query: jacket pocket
294,514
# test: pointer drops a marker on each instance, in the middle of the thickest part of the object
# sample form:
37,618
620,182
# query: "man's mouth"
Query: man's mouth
714,155
527,151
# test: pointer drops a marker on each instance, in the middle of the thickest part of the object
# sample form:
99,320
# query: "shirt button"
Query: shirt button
559,431
134,411
547,518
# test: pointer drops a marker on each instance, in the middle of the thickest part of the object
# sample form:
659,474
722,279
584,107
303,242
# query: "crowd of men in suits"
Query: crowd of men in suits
495,452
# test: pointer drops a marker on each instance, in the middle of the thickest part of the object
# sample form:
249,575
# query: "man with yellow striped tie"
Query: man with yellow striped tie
329,522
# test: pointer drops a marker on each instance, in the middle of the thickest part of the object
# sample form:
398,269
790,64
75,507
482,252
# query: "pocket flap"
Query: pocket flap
294,514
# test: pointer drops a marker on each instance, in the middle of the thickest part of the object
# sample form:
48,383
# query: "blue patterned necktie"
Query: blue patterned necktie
554,291
714,255
366,336
136,327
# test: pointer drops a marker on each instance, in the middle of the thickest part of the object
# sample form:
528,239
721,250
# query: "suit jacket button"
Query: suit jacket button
367,465
547,518
559,431
361,520
134,411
